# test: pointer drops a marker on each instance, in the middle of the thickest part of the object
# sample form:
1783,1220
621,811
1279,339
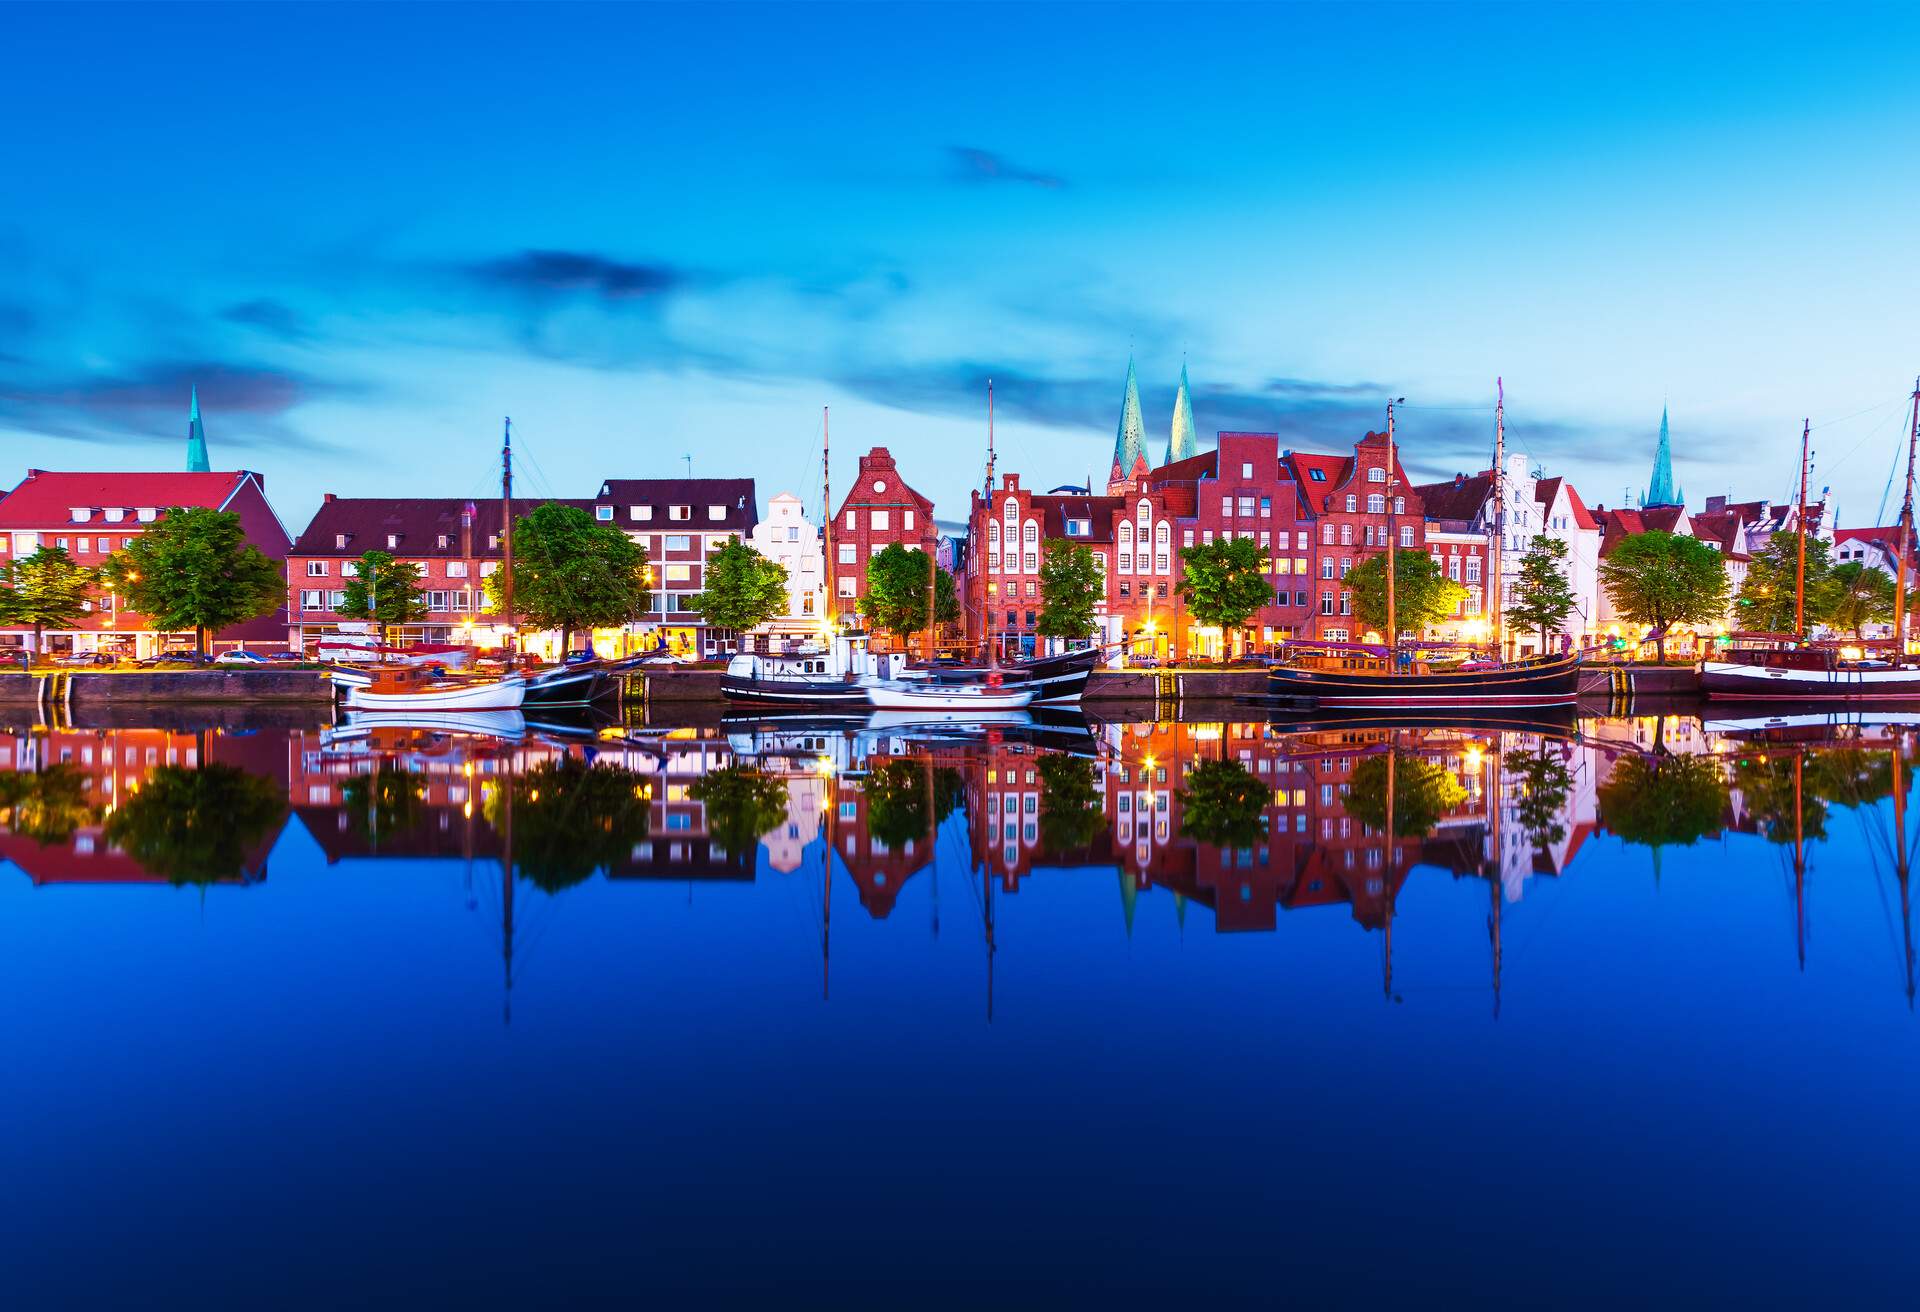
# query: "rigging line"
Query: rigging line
1864,439
1900,400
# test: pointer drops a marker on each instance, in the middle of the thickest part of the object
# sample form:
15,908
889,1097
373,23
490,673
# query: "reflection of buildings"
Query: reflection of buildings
113,765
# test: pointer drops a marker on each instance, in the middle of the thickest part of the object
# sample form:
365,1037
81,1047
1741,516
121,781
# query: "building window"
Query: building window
1406,535
335,600
1473,569
847,552
1346,535
1246,507
1317,475
456,569
1326,603
1473,601
1266,507
716,513
313,600
1346,603
1126,562
1030,534
1226,507
1353,503
844,586
1032,562
1376,475
679,573
680,513
436,601
146,514
1376,504
1453,569
1031,589
679,542
1326,534
1399,505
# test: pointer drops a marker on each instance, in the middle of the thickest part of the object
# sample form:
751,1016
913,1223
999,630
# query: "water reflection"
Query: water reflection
1247,819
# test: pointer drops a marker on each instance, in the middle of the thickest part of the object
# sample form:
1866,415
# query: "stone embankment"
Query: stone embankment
80,687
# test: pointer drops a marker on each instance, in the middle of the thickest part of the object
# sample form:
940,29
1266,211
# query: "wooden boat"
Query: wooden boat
939,698
1785,668
580,684
1343,675
403,688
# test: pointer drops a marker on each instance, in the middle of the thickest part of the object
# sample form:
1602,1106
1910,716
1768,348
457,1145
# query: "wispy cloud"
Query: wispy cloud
273,318
974,165
151,399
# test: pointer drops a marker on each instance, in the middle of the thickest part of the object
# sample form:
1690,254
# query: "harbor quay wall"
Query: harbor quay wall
234,686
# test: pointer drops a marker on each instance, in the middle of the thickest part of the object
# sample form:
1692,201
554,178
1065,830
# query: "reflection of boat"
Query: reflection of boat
945,700
897,720
1059,678
401,688
1552,721
481,724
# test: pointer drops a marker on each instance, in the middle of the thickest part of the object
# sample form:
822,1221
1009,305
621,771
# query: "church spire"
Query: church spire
197,462
1661,492
1183,442
1130,442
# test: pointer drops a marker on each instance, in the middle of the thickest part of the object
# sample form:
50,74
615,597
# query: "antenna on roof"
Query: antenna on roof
689,460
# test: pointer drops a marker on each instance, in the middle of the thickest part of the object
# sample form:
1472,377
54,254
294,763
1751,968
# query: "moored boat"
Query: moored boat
1052,679
1355,677
923,695
403,688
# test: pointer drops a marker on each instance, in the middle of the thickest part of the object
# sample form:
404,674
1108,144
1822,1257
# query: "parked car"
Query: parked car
239,657
83,658
173,658
286,656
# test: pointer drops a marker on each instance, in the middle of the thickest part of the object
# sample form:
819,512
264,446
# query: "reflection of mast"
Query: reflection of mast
1799,866
506,895
1900,859
986,879
1387,972
826,892
1493,923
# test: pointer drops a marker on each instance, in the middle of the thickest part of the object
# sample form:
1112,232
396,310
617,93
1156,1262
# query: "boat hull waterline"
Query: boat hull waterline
503,695
1549,683
1733,681
938,698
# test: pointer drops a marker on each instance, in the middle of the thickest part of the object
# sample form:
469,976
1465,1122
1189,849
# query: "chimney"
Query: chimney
327,499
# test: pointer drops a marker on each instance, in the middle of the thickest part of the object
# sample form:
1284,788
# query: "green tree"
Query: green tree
385,591
1224,582
571,572
571,819
1423,793
1766,600
1223,805
1855,595
1542,597
1422,592
744,588
1071,585
1767,793
45,589
742,804
896,597
47,805
1663,579
1069,802
1668,801
194,569
197,826
899,803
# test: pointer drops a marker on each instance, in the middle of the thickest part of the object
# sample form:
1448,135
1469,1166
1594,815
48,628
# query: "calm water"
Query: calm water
1069,1013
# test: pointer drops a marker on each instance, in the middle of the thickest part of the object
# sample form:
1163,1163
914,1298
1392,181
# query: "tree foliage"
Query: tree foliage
197,826
383,803
1423,793
896,597
571,572
44,590
194,569
1224,581
1070,814
1542,595
1072,584
571,819
1766,600
744,589
1662,579
899,803
1423,595
1222,804
1671,801
1856,595
742,804
383,590
1545,783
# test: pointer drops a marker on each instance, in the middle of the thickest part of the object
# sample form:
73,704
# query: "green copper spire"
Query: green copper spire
1661,492
197,462
1130,442
1184,441
1129,894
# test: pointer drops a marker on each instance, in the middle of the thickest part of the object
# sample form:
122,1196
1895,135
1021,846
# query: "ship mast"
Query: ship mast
1905,537
1393,627
1496,628
986,606
1799,860
1800,566
1900,857
831,574
506,534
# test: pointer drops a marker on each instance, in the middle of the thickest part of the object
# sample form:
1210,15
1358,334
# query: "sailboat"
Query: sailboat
1787,668
1336,676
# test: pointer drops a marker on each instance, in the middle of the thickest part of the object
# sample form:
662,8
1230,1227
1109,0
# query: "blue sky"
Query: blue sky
367,233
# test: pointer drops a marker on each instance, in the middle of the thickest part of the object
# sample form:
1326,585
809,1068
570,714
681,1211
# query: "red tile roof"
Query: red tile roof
46,498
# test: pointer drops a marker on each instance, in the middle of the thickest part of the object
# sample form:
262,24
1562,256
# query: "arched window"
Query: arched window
1353,502
1013,511
993,536
1145,513
1031,533
1376,475
1126,535
1376,504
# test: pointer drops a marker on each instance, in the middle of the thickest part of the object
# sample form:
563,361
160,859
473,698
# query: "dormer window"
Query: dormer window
604,514
679,513
442,541
493,542
393,540
1317,475
80,514
339,541
114,514
146,514
640,512
716,513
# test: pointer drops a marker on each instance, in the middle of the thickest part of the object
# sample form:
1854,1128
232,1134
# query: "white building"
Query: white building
786,537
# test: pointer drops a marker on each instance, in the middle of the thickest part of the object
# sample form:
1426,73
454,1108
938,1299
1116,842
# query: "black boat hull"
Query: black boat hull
1546,683
793,694
581,687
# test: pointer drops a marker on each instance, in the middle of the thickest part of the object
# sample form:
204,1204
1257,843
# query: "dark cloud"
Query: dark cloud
973,165
274,318
549,273
244,404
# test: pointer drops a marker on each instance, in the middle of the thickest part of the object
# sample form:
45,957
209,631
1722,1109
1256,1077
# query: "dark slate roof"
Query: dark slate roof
735,495
1460,497
420,522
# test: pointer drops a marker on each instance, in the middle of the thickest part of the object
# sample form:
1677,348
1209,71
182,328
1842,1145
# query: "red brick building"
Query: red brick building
1351,500
879,510
93,515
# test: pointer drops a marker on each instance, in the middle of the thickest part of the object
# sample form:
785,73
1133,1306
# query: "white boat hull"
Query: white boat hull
503,695
920,696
